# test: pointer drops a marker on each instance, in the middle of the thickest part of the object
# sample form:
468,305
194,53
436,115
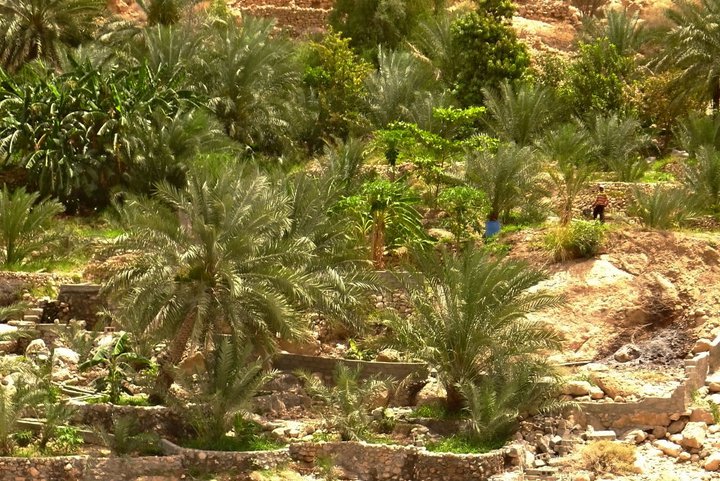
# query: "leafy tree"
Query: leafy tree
692,47
38,29
597,78
572,155
507,175
464,205
519,112
369,23
488,50
24,220
702,177
619,142
119,360
223,257
471,319
336,76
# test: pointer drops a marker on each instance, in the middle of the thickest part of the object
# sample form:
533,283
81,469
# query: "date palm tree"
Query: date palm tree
223,257
38,29
471,319
692,47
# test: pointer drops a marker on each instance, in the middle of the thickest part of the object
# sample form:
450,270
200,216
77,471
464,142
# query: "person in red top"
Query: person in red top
601,201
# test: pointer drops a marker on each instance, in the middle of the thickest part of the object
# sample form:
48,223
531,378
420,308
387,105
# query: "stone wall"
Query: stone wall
75,301
326,366
296,16
400,463
653,412
84,468
223,462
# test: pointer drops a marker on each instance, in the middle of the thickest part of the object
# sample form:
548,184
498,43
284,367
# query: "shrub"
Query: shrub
578,239
607,457
23,221
128,437
464,206
702,178
663,208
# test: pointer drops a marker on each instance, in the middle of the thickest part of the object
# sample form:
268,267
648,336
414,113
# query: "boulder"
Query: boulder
702,345
432,393
636,436
629,352
37,347
694,435
388,355
668,448
577,388
702,415
712,462
193,364
676,427
66,356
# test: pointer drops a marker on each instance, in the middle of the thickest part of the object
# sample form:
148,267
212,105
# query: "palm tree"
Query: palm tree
702,177
697,131
397,87
692,47
252,77
38,29
222,258
506,176
571,155
622,28
519,112
470,318
619,142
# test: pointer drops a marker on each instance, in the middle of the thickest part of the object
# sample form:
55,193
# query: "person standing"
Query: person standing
601,202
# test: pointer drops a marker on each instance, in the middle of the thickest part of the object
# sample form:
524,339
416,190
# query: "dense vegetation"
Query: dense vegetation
256,178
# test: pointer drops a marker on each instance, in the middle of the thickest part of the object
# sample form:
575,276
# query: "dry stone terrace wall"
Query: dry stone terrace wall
84,468
159,419
400,463
297,16
326,366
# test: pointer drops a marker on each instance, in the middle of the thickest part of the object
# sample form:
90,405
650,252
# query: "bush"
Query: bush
663,208
577,240
459,444
607,457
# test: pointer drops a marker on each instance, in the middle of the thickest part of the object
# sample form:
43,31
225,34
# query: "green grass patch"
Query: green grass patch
460,445
436,411
232,443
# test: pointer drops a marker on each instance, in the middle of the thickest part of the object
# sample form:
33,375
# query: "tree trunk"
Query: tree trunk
378,243
171,358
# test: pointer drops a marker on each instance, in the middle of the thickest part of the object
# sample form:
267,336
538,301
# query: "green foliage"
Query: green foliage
698,131
470,318
663,208
623,29
369,23
507,176
24,220
578,239
520,112
234,254
597,78
40,29
488,50
619,142
233,378
74,133
163,12
464,206
128,438
385,210
701,176
433,411
65,440
348,400
571,153
691,48
119,360
433,39
336,76
14,402
459,444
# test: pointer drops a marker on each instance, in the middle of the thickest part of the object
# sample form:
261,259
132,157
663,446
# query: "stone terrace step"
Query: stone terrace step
602,436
